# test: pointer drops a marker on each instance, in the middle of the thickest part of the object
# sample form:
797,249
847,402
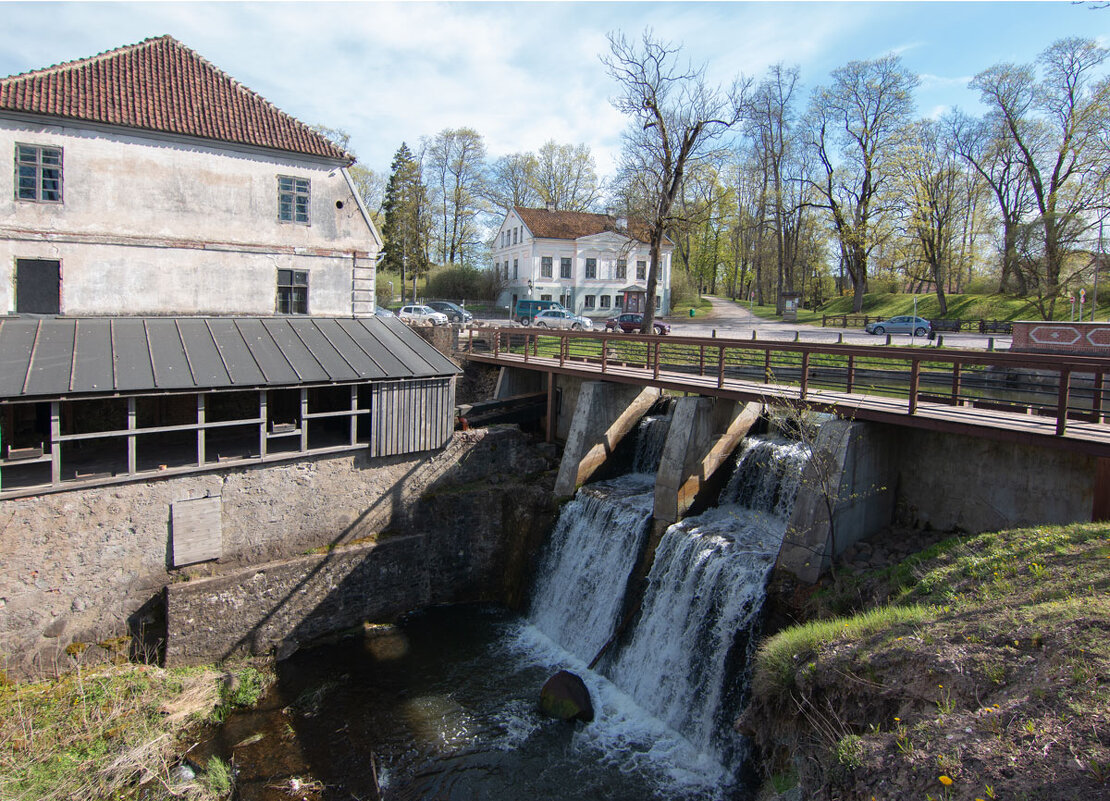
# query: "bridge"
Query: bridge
1044,400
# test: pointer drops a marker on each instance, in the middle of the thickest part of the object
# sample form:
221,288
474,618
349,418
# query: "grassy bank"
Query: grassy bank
964,307
115,732
984,674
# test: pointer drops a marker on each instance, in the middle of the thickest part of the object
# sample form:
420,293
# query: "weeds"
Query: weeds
106,732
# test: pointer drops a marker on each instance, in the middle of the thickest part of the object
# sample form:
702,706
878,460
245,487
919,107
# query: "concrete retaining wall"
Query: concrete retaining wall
947,481
91,564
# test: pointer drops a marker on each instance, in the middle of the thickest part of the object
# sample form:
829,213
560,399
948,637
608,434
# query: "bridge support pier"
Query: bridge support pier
603,416
702,434
853,473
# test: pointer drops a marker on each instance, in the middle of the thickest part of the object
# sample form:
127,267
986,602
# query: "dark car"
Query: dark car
454,312
630,323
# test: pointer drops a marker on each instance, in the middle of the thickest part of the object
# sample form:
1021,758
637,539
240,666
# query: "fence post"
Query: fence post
990,344
805,375
1062,402
720,366
915,380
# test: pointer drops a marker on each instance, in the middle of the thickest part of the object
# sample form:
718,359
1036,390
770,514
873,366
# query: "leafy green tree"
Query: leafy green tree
1057,123
404,211
456,165
855,126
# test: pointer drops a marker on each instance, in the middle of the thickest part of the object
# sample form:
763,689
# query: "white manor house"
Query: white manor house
594,264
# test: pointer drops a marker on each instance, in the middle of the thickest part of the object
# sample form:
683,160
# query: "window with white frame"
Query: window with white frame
545,267
622,269
293,197
292,292
564,267
591,268
618,301
605,301
38,173
516,268
589,301
641,270
515,232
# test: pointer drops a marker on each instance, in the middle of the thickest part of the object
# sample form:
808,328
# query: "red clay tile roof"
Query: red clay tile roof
161,85
546,224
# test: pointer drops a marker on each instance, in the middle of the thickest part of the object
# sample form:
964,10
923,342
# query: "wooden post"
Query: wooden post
1062,402
701,359
655,374
915,381
55,443
132,424
767,366
805,375
851,374
550,434
1096,399
202,414
720,366
955,383
264,417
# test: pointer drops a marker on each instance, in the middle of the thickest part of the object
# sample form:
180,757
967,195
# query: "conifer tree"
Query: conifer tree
405,210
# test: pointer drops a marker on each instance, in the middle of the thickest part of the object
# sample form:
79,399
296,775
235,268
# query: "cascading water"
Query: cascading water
705,592
705,589
651,435
582,580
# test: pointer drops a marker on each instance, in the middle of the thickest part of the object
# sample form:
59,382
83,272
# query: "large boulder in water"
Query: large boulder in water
565,696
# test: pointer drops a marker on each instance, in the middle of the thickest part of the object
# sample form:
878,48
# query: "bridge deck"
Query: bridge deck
1063,427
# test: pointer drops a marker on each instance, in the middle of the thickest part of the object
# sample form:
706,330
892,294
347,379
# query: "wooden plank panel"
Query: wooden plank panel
197,530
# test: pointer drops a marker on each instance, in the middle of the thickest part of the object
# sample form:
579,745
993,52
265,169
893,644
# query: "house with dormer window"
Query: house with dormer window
594,264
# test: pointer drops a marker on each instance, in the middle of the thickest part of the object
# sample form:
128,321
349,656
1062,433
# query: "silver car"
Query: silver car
903,324
561,318
422,314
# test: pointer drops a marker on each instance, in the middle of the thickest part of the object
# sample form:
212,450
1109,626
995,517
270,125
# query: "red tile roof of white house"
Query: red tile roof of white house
161,85
546,224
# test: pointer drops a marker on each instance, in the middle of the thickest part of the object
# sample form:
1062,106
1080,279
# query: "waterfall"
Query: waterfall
582,578
705,593
683,659
651,435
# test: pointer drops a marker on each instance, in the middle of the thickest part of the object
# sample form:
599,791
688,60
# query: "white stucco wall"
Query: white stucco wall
152,225
607,248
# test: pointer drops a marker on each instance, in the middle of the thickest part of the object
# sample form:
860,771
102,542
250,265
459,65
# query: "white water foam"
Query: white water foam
582,580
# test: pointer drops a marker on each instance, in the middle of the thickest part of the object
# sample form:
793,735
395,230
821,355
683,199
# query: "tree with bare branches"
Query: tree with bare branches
677,119
855,126
1057,124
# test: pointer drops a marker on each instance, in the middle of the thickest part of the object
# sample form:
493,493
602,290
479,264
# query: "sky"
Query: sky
523,73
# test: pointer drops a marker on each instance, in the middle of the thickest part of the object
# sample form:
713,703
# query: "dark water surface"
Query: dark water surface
443,706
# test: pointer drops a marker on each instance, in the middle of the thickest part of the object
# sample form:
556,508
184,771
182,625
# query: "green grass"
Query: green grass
978,665
964,307
110,732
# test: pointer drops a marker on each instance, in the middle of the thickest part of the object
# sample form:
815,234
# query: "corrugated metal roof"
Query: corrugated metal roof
55,356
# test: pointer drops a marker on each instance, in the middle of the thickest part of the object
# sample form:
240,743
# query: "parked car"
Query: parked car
630,323
382,311
903,324
422,314
526,310
454,312
561,318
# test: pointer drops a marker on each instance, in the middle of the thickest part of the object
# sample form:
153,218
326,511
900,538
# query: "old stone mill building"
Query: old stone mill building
190,369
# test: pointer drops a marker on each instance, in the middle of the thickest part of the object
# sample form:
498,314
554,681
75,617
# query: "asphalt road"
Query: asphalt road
732,320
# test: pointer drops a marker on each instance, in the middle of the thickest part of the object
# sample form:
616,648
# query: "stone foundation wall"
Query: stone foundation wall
90,565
